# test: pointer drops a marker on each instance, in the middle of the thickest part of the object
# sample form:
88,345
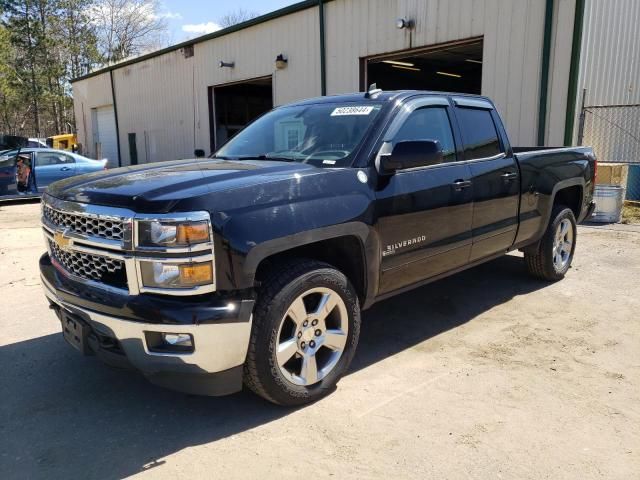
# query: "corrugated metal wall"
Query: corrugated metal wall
610,65
91,93
560,64
512,30
610,73
164,99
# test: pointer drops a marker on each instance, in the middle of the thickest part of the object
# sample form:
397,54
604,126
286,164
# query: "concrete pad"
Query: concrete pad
486,374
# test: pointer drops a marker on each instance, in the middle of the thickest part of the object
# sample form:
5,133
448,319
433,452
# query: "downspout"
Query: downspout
576,44
323,73
115,114
544,75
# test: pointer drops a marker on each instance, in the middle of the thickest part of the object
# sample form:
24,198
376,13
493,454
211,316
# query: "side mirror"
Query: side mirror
410,154
199,153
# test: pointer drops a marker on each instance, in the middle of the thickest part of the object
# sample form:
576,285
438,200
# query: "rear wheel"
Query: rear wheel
555,252
305,331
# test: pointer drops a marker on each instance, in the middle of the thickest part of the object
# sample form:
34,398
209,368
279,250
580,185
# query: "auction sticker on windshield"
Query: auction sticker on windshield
358,110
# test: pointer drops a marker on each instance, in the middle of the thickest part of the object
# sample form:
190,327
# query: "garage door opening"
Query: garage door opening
450,68
105,142
233,106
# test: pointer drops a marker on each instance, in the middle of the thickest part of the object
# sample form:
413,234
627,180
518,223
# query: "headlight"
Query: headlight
172,234
176,275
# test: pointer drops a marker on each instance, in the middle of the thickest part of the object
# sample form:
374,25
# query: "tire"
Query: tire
555,252
281,371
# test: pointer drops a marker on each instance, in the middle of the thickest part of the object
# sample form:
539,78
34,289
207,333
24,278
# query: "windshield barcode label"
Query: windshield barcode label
351,111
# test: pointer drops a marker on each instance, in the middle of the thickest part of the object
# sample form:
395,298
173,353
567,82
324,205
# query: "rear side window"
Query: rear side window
50,158
429,123
479,133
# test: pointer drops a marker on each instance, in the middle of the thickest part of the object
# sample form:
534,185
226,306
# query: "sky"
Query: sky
191,18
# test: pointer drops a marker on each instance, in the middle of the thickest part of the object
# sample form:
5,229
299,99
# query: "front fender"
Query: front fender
252,224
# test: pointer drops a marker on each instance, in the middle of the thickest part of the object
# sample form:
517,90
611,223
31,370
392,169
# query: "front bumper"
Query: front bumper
220,330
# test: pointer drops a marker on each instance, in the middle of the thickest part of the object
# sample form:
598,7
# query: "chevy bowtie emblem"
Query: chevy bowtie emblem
62,240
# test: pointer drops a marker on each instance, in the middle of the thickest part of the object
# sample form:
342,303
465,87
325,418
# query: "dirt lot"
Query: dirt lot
488,374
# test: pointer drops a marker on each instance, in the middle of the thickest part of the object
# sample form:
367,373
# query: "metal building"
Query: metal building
532,57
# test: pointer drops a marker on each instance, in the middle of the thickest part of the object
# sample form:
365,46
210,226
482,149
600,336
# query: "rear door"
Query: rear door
424,214
53,166
496,184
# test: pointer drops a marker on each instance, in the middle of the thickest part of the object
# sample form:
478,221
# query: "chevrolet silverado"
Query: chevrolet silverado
252,266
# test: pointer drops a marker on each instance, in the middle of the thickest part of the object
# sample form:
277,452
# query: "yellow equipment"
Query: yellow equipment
65,141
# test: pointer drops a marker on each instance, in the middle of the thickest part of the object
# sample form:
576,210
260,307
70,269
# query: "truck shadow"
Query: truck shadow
68,417
403,321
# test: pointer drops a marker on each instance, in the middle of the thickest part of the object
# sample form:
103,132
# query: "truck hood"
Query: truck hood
162,187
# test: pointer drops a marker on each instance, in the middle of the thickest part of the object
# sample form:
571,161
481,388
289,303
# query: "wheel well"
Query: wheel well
571,197
344,253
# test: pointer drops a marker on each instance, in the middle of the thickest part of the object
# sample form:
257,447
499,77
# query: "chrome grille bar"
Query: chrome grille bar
86,225
90,267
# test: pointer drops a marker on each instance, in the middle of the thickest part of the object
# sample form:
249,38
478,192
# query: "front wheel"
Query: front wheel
305,331
555,252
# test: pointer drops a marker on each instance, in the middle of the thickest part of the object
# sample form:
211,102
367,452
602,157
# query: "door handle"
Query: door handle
509,176
65,169
458,185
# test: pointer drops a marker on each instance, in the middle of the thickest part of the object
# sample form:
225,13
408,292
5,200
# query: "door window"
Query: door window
429,123
479,133
52,158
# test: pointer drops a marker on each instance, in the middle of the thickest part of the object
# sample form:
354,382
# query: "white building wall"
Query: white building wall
512,30
155,101
254,51
90,93
164,99
560,66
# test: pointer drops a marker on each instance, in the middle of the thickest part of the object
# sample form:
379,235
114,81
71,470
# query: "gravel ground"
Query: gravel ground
487,374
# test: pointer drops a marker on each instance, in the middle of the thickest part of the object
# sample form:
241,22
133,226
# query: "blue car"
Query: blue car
29,173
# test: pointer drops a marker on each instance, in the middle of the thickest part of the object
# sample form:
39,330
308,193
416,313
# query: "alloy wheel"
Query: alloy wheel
312,336
562,245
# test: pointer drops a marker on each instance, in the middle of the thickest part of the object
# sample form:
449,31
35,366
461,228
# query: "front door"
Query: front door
16,174
424,214
52,166
496,183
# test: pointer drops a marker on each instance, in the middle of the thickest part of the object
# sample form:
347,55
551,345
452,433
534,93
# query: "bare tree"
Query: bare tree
236,16
126,28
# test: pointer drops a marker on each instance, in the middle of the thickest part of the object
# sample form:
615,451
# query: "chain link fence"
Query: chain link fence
614,133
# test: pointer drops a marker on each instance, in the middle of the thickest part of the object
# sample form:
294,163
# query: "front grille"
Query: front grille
85,225
91,267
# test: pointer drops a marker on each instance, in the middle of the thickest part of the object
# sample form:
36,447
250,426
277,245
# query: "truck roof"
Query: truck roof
381,96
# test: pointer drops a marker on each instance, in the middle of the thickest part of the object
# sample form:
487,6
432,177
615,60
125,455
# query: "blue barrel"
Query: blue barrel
633,183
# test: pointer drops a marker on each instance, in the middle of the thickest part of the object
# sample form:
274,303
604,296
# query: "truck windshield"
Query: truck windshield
322,134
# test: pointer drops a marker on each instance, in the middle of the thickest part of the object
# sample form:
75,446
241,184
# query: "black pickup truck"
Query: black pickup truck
253,266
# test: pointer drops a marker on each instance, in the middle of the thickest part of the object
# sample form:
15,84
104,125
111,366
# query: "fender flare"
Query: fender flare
279,245
561,185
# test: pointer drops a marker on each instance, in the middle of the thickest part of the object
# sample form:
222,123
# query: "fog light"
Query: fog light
160,342
183,339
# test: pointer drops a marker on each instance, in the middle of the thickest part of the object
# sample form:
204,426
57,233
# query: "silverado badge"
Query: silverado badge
391,249
61,240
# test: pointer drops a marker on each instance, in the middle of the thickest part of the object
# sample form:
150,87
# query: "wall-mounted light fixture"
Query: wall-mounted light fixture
281,61
404,23
222,64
